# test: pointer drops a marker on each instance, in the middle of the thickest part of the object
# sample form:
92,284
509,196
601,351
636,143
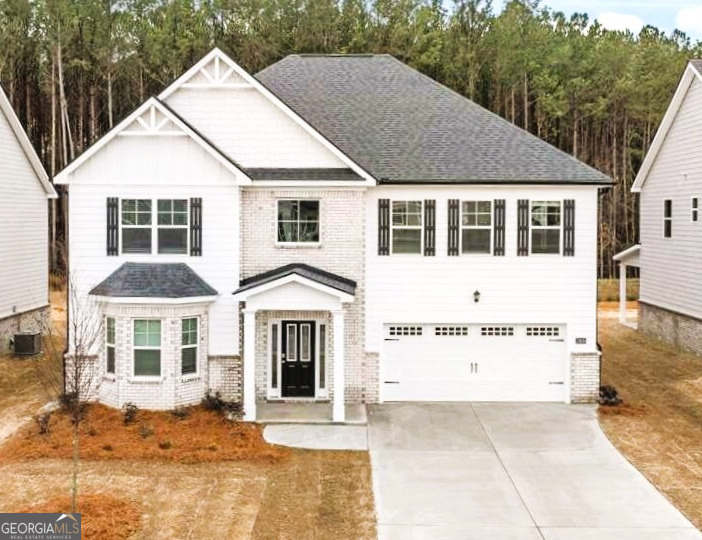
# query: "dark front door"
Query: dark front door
297,358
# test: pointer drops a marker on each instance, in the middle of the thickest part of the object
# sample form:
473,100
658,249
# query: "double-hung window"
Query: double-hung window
172,226
168,229
546,227
147,347
110,344
298,221
695,209
407,227
188,350
136,225
667,218
476,226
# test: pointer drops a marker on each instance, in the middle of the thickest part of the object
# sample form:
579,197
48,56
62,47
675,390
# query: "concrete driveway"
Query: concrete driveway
488,471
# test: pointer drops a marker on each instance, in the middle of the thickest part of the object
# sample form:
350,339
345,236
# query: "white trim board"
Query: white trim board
671,113
25,143
218,57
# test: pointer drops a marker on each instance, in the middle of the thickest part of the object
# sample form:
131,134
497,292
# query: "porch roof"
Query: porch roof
317,275
630,256
153,280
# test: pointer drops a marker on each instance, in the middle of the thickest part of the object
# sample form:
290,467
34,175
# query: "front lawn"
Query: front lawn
659,428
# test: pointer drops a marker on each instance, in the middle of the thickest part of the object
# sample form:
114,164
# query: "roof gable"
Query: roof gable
692,72
25,143
217,71
404,127
154,119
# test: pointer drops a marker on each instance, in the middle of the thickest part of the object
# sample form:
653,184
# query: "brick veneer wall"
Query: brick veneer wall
35,320
341,250
584,377
674,328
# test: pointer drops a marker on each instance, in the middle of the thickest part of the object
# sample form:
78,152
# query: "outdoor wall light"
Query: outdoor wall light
476,296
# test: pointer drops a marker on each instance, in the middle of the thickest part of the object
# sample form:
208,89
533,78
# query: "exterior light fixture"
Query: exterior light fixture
476,296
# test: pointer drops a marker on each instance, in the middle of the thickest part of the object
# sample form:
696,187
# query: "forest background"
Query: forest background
73,69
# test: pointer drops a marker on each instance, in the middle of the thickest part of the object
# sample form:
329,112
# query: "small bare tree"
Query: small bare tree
72,371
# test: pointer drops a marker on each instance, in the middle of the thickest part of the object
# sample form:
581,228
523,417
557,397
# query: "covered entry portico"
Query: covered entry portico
300,310
629,257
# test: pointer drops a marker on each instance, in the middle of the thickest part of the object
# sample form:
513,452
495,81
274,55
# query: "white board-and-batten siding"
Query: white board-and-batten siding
670,267
548,289
24,251
248,127
165,168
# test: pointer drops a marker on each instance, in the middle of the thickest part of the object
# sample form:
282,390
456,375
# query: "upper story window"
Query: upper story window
407,226
545,227
667,218
476,226
298,221
170,233
695,209
147,347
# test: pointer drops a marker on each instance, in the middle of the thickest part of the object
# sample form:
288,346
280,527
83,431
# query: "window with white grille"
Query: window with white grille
534,331
451,331
405,331
497,330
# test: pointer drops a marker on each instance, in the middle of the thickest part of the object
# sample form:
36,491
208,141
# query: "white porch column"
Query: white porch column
249,365
622,292
338,407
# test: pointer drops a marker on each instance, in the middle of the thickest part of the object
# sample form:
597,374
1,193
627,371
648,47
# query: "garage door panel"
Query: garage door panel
475,363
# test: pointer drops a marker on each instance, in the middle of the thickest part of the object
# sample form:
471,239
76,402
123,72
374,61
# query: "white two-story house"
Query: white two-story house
337,228
25,191
669,255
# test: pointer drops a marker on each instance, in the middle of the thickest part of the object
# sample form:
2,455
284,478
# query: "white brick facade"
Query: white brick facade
584,377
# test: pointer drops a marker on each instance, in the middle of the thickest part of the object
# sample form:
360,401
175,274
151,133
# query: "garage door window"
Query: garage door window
476,226
451,331
405,330
546,331
497,331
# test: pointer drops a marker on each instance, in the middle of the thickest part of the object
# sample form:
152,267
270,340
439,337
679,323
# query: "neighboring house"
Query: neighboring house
24,231
337,228
670,252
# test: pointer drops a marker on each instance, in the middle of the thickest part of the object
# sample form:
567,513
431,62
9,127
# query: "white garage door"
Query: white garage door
488,362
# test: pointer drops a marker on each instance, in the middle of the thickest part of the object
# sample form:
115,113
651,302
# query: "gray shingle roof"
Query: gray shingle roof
310,272
147,280
404,127
303,174
697,64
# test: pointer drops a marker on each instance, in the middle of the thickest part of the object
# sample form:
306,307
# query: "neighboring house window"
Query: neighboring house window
147,347
173,226
407,227
136,226
476,226
188,351
545,227
110,344
668,218
298,221
695,209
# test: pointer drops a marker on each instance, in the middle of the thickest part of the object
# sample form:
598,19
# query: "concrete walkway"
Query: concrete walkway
450,471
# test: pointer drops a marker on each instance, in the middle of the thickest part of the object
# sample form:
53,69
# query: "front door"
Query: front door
298,358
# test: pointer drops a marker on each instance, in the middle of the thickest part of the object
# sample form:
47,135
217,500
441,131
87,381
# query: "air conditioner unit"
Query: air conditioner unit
27,343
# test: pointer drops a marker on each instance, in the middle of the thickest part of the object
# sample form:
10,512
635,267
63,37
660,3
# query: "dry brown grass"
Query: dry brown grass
659,428
608,290
203,436
103,517
311,495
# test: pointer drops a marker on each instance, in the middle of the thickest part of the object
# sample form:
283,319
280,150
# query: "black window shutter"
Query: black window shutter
429,228
453,227
499,227
196,227
523,227
569,227
384,227
112,226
